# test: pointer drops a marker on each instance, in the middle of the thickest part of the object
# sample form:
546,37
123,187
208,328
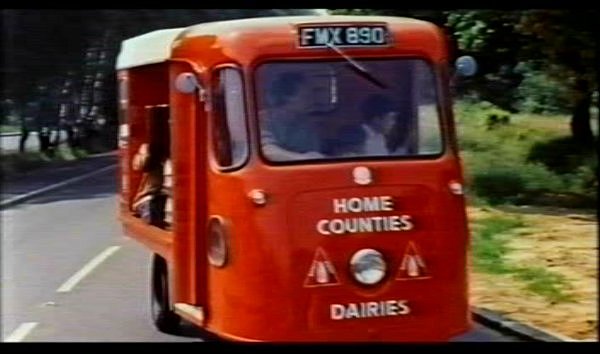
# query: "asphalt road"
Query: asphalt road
47,241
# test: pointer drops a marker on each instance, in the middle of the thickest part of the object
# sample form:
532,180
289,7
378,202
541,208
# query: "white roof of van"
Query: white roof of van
150,48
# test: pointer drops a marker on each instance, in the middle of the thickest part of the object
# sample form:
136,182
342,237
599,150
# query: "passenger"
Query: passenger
288,130
168,190
149,201
348,141
151,159
384,134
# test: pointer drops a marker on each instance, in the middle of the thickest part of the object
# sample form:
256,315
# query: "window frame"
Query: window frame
218,98
439,100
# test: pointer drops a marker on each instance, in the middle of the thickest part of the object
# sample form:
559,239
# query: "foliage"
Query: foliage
541,93
539,60
436,16
529,161
561,155
501,184
47,47
489,243
9,129
17,163
496,117
562,44
498,184
566,39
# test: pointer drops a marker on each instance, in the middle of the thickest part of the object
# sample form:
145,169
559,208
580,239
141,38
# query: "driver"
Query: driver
288,131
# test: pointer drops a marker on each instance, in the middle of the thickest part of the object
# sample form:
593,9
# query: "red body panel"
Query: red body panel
273,248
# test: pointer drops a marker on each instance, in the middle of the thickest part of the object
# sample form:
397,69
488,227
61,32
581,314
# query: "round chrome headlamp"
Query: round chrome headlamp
367,266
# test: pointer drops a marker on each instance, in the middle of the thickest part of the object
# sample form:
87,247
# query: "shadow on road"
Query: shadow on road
189,330
100,186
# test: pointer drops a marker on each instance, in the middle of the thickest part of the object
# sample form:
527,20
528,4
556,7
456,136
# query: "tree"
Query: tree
567,42
43,46
561,43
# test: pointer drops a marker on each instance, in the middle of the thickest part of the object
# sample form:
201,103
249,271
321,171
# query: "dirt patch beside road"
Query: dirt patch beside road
562,241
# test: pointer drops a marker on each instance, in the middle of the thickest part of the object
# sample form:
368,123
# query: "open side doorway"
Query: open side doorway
188,266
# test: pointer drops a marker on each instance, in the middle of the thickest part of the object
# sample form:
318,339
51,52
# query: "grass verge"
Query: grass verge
18,163
9,128
490,238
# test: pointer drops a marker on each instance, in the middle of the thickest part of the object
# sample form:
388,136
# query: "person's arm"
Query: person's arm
273,151
375,143
141,158
276,153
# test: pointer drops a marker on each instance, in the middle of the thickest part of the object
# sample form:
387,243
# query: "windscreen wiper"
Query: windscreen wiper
358,68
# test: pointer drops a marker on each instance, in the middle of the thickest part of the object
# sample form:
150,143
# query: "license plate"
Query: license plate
343,36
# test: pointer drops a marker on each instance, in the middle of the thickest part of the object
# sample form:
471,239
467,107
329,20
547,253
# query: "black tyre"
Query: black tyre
163,317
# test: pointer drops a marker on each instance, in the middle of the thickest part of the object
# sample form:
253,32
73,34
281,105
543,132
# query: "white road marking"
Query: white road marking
88,268
21,332
51,187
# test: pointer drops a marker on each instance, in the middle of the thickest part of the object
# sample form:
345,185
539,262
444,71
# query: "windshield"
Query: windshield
326,110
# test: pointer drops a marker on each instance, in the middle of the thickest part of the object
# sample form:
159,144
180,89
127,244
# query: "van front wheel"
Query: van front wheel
163,317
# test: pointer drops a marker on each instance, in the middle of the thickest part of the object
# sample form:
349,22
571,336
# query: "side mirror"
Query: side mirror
465,66
187,83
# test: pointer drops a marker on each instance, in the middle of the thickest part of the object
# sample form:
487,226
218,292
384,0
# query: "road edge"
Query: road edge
496,321
27,196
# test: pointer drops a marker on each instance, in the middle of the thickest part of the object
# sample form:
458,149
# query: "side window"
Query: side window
230,137
430,138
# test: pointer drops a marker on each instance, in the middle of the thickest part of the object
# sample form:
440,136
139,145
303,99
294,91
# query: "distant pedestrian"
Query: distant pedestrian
28,123
45,118
68,112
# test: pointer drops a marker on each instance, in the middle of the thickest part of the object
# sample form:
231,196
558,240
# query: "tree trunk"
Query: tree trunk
598,109
581,129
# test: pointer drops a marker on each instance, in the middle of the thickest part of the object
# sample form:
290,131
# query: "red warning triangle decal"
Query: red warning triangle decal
412,265
321,271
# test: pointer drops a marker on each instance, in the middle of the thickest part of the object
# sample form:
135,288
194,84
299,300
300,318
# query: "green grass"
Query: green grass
489,243
9,129
490,238
543,282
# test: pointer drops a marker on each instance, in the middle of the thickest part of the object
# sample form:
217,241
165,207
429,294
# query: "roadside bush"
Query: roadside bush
562,155
516,184
585,179
474,119
539,179
482,113
497,185
470,140
540,93
496,117
532,160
